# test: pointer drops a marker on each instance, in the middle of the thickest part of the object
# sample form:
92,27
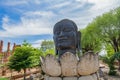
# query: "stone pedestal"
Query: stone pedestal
70,78
89,77
51,66
70,67
52,78
88,64
68,63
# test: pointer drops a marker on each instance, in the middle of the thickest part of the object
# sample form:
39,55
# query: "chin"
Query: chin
64,46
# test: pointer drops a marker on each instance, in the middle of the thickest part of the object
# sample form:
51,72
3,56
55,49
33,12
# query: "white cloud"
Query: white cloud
42,19
5,19
61,5
31,23
37,43
37,1
102,6
39,16
25,28
14,2
45,14
20,2
72,7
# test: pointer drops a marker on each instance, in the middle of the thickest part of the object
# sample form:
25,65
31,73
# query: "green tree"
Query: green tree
25,43
49,51
3,79
24,57
1,56
21,59
109,59
106,29
109,27
90,40
47,47
35,57
47,44
117,57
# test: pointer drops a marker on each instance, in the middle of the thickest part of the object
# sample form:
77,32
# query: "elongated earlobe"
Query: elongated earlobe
56,51
78,41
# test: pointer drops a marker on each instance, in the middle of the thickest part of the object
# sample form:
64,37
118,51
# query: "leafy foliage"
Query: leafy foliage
1,56
109,59
25,43
109,28
47,44
35,57
105,28
24,57
109,31
117,57
90,40
3,79
104,31
47,47
20,59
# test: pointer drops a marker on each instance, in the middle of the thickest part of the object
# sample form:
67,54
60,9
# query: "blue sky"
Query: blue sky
33,20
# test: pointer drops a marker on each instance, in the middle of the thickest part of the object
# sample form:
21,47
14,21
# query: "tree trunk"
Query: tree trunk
24,74
11,75
3,71
119,65
115,45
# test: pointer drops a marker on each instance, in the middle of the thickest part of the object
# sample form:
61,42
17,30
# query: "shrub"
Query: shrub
3,79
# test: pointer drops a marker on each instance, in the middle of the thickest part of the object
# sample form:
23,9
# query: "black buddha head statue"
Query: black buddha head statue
66,37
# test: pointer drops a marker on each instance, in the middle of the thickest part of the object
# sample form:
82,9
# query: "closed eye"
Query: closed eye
67,30
57,32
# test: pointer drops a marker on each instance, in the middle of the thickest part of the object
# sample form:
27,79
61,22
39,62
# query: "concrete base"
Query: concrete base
52,78
70,78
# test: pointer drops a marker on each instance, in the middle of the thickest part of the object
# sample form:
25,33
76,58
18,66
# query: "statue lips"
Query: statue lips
63,39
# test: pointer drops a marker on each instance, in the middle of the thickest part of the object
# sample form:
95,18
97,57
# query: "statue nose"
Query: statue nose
61,33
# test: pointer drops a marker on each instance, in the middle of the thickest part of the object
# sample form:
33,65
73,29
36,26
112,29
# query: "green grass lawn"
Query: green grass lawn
3,78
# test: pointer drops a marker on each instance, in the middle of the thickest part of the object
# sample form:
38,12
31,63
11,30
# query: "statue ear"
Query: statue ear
56,51
78,41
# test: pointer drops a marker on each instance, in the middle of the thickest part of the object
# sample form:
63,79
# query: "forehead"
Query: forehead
62,25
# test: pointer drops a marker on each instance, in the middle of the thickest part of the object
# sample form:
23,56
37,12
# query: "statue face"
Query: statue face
65,35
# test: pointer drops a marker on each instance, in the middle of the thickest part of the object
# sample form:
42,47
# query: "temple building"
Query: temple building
4,55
